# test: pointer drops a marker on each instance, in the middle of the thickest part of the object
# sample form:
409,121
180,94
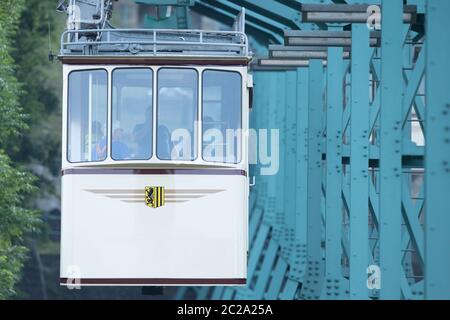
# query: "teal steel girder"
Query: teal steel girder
251,15
274,11
180,19
226,17
356,175
312,284
390,198
333,250
182,3
437,170
359,173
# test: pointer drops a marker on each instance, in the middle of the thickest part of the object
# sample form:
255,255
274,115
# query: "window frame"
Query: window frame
154,160
241,117
68,115
198,109
153,132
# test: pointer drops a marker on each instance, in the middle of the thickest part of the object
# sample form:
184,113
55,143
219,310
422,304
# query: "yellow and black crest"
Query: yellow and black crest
154,196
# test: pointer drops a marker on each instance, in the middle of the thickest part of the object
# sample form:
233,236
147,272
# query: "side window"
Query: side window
222,116
177,114
132,114
87,116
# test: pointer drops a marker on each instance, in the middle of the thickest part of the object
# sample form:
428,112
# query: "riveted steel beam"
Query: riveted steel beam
167,2
391,149
437,154
326,38
228,18
299,267
359,152
273,10
252,16
302,54
280,63
275,47
315,267
334,170
345,13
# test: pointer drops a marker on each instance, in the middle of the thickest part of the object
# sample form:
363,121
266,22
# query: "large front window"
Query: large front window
222,116
132,114
87,116
177,114
134,129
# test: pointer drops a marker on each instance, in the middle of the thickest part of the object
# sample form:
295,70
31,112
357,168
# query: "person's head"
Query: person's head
97,128
117,132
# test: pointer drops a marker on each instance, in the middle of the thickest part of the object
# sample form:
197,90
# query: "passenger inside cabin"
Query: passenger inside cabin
164,143
120,150
177,114
98,142
142,136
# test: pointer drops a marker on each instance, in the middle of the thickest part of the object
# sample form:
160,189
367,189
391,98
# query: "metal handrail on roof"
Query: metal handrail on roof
153,42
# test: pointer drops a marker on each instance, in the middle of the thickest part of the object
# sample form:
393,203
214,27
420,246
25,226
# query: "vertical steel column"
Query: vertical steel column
276,117
280,124
390,218
359,154
301,173
333,201
270,211
437,154
266,89
284,255
290,162
311,289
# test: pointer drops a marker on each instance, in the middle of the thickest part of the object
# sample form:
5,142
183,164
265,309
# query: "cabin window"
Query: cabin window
222,116
87,116
132,114
177,114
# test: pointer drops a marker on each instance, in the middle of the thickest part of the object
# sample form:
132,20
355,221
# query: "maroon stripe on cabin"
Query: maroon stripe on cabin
154,62
162,281
216,172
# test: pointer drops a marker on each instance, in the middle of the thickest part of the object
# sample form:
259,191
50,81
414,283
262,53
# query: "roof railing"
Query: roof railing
153,42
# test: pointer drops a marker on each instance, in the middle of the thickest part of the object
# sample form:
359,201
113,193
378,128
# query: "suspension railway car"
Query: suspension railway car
154,157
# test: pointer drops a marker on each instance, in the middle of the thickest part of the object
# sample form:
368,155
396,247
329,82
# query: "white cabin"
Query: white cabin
155,167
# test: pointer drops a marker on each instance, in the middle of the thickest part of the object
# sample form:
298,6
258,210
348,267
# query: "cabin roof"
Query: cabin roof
151,46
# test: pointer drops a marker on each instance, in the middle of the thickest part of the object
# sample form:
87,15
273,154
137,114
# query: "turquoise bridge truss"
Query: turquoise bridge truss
360,206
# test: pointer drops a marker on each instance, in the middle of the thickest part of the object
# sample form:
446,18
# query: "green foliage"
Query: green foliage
11,115
39,143
16,184
15,220
41,83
